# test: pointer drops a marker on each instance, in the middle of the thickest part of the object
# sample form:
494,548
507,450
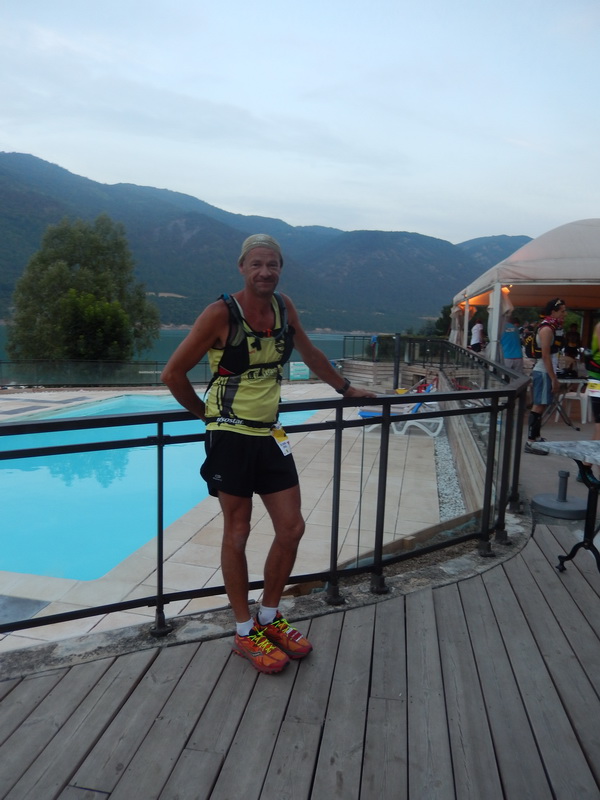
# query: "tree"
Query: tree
78,299
443,323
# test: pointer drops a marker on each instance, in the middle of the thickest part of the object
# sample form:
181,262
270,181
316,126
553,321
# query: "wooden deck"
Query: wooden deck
483,689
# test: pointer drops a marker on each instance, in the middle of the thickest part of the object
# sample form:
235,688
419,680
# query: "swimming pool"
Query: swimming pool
79,515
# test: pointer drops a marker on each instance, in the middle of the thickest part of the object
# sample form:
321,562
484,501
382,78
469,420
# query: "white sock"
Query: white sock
244,628
266,615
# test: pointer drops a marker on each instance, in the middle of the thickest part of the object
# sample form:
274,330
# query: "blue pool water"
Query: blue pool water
77,516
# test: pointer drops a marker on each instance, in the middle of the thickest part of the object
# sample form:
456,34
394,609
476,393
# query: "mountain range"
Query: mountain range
186,252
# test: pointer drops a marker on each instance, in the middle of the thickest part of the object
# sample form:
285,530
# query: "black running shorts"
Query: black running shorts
242,465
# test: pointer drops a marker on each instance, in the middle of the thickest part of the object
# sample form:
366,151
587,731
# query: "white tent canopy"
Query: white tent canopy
565,263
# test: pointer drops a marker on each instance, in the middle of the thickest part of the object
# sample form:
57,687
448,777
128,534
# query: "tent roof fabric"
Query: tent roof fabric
565,263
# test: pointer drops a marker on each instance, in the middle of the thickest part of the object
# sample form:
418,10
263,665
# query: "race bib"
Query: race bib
593,388
281,438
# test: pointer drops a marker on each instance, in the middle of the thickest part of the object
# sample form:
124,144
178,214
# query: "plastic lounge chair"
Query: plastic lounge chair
406,417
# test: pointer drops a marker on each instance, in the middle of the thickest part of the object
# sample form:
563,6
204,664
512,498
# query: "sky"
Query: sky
452,119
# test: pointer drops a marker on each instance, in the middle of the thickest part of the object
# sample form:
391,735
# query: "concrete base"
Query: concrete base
552,506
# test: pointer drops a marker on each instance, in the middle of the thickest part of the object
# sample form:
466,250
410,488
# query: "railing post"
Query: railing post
377,580
484,537
514,499
501,536
333,596
397,346
161,628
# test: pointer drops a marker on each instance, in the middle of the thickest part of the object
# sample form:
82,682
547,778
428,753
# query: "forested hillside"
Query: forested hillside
186,251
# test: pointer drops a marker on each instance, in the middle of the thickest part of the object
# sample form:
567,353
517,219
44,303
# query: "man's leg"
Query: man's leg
284,509
248,642
535,422
542,396
237,512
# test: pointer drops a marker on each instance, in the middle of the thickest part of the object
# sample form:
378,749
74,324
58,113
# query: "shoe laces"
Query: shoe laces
261,641
286,628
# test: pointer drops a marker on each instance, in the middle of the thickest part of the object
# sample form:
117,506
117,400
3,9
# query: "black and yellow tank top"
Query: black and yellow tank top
244,392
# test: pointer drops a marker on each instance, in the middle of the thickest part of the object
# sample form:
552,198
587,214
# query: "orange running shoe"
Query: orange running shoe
280,633
259,651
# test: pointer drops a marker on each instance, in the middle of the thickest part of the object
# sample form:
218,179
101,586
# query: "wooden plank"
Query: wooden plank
313,682
252,746
385,768
105,764
584,560
21,749
290,772
564,762
193,777
222,714
339,763
57,763
292,766
151,766
18,705
388,678
521,770
573,602
475,769
577,694
574,580
74,793
429,759
6,687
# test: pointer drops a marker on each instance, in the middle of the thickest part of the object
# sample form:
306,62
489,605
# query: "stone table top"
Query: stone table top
580,451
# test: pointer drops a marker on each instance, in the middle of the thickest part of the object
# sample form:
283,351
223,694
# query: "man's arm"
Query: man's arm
546,334
209,330
316,360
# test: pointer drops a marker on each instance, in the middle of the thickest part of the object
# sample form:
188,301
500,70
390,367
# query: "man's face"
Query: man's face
560,313
261,269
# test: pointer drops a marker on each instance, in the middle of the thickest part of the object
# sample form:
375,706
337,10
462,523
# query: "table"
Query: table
557,401
580,452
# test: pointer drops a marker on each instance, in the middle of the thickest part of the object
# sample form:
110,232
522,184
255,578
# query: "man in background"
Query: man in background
572,345
477,337
510,342
593,390
543,374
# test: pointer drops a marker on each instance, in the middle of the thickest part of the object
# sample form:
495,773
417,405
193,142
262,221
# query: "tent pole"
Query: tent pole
494,322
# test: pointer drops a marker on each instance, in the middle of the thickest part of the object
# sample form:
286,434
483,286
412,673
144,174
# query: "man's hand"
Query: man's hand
353,391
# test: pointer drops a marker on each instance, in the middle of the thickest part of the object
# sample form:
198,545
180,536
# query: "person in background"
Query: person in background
374,340
477,336
593,390
543,374
510,341
248,336
572,345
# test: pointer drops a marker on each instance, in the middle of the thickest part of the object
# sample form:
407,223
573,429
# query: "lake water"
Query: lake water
332,345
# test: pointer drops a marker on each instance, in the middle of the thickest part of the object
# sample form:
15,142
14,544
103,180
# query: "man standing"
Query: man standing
593,390
511,345
477,337
572,345
248,337
543,374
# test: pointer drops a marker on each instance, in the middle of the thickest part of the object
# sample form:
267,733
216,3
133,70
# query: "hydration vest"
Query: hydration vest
236,370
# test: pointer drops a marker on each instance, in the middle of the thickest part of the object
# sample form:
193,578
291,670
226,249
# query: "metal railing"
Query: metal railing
494,413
